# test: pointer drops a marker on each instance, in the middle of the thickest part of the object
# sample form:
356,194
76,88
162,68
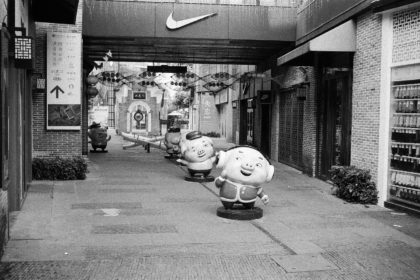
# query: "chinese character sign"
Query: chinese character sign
64,51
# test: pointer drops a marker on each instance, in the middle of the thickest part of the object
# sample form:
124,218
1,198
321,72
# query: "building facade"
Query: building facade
18,88
337,98
346,94
356,91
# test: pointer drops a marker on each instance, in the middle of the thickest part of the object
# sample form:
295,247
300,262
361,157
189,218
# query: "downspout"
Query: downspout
318,98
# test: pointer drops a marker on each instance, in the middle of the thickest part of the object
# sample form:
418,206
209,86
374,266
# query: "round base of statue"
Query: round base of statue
98,151
171,156
199,179
240,213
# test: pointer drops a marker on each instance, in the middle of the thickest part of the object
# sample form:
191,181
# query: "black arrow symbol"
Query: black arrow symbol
57,89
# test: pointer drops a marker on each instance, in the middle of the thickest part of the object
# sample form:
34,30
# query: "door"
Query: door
265,124
291,128
246,122
250,126
336,136
4,111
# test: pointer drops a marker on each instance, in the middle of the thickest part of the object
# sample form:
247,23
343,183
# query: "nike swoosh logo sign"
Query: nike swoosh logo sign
174,24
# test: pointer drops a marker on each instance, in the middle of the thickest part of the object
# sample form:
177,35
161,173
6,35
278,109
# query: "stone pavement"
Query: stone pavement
135,217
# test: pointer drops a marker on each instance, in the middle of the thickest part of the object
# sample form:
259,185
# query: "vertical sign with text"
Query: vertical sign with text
64,51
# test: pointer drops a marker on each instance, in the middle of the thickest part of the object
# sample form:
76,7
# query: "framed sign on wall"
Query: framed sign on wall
64,76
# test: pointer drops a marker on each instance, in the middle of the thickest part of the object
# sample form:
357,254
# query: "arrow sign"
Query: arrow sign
57,90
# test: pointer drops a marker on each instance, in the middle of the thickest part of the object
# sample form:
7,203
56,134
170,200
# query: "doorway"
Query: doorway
291,109
246,136
336,135
265,103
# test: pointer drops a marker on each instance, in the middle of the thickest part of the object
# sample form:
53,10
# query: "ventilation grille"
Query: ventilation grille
406,36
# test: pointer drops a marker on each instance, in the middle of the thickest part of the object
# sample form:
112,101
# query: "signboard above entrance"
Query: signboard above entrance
139,95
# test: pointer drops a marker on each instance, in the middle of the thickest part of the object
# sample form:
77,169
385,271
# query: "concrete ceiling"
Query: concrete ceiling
183,50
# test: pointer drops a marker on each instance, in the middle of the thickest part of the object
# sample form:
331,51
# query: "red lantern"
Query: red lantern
92,92
92,80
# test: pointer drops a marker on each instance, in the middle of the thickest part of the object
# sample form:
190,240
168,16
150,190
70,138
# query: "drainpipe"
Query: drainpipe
318,98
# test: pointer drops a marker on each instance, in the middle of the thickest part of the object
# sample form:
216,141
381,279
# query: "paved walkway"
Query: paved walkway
135,217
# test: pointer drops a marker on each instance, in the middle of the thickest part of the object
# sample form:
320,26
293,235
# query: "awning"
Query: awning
337,43
55,11
383,5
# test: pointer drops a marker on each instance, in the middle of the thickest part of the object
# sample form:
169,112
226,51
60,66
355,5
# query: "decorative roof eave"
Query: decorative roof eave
383,5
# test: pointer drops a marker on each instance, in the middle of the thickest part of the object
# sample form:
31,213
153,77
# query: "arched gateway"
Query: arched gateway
139,117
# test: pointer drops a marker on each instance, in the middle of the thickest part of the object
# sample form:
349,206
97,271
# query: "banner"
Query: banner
64,52
98,114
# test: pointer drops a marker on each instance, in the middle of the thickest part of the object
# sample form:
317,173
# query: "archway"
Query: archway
143,121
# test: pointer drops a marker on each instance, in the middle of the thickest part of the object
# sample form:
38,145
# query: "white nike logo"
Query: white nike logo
173,24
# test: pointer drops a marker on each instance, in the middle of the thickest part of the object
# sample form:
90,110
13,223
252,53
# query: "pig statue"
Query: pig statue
172,138
244,169
198,155
98,137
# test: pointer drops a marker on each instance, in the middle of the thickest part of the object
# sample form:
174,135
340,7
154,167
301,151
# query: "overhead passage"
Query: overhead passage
197,33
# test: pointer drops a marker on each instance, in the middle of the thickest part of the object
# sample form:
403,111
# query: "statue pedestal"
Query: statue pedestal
171,156
95,151
240,213
199,179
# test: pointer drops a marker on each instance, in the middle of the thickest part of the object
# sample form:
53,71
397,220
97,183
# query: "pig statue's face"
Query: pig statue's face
246,166
172,141
197,150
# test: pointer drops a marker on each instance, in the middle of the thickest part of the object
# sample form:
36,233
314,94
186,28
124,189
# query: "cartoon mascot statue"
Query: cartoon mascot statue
172,138
99,137
244,170
198,155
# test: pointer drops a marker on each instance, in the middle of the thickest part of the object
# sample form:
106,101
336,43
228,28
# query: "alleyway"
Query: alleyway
135,217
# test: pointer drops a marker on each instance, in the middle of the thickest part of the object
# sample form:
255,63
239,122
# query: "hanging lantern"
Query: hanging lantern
92,80
91,92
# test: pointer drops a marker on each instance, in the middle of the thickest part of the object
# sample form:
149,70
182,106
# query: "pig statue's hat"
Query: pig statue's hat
94,125
193,135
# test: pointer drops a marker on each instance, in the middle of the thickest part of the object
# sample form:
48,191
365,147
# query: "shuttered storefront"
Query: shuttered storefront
291,128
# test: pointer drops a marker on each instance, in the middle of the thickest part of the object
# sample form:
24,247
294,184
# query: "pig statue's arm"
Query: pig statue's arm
263,196
181,161
219,182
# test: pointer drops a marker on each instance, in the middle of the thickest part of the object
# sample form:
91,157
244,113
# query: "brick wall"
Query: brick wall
366,93
52,143
309,124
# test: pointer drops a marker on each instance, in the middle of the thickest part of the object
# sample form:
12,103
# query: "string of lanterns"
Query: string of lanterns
178,82
214,83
